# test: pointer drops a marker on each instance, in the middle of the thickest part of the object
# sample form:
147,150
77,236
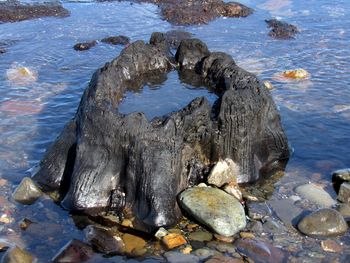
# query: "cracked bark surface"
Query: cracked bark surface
107,160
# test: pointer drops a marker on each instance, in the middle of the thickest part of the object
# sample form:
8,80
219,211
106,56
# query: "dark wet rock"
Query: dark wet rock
258,211
85,45
344,193
190,12
342,175
107,160
178,257
261,252
26,192
13,11
316,195
4,244
344,209
103,240
190,53
286,211
174,37
116,40
17,255
25,223
323,223
2,50
214,208
281,30
73,251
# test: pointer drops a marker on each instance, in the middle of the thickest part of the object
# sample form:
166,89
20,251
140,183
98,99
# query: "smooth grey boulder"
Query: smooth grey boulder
215,209
316,195
26,192
106,160
323,223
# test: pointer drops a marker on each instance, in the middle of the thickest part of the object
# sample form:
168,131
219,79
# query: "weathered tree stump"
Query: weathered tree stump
107,160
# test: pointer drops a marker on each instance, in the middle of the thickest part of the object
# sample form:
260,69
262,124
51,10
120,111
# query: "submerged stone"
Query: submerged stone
26,192
178,257
261,252
17,255
316,195
73,251
107,160
323,223
344,209
104,241
200,236
331,246
133,243
258,211
215,209
224,259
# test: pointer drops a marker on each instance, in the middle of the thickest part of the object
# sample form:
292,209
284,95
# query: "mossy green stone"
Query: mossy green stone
215,209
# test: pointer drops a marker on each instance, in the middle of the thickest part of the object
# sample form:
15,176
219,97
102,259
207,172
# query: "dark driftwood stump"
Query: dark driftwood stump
105,159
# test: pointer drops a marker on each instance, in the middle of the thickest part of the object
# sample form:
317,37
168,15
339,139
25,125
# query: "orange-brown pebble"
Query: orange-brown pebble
191,226
186,250
296,74
331,246
127,223
173,240
133,243
246,235
3,182
223,238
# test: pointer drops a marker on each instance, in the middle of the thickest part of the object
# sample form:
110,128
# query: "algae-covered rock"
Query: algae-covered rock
26,192
215,209
323,223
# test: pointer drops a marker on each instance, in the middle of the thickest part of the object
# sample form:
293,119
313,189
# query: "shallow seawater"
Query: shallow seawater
34,108
158,99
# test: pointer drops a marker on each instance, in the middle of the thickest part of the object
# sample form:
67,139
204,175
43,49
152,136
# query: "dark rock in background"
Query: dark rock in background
85,45
14,11
107,160
192,12
281,30
116,40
